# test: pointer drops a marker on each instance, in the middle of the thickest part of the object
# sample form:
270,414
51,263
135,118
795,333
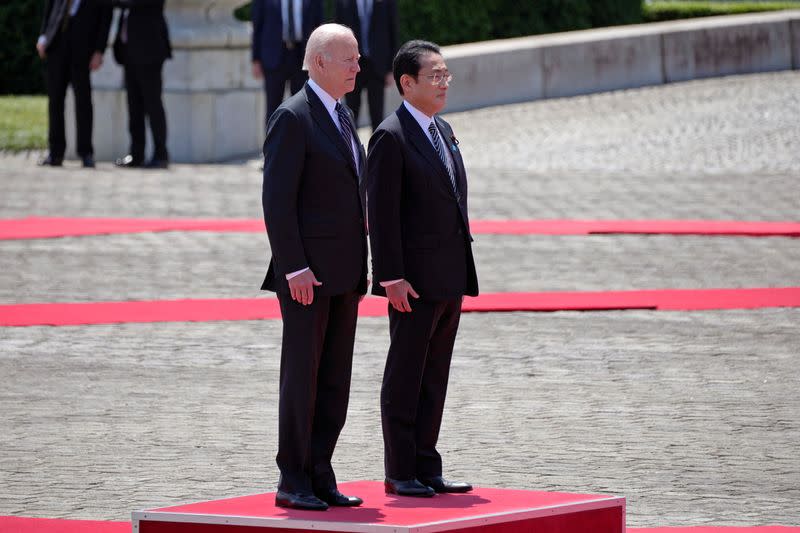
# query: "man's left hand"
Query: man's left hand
258,71
398,294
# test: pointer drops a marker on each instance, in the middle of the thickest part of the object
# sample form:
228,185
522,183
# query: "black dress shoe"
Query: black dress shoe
87,161
300,500
51,161
157,163
440,484
411,487
129,162
335,498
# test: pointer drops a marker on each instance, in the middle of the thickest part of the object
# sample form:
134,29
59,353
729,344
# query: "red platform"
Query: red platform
483,510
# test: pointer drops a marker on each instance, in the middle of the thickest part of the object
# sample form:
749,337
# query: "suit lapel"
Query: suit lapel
362,163
326,124
57,13
423,145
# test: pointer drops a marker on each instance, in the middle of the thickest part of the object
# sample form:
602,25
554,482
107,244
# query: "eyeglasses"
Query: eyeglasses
439,77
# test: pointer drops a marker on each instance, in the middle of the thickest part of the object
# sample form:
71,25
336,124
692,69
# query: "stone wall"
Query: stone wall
215,109
567,64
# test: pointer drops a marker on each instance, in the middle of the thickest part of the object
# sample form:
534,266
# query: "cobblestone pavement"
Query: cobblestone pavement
692,416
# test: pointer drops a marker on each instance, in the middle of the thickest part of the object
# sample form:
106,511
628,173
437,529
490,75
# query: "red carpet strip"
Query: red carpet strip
21,524
196,310
18,524
713,529
49,227
643,227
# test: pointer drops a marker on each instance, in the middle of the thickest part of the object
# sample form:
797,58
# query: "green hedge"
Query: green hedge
442,21
661,11
460,21
20,21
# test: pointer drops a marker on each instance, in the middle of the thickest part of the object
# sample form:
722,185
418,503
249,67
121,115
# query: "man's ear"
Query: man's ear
405,81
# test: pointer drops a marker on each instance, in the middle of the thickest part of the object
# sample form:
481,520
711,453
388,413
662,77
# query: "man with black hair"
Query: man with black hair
422,262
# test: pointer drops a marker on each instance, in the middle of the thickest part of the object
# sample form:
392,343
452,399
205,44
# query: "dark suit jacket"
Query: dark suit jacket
267,44
91,24
419,231
383,30
313,199
148,34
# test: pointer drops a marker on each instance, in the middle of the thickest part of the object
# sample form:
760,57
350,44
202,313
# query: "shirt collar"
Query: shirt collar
327,100
423,119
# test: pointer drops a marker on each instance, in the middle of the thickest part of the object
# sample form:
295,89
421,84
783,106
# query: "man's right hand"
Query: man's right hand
42,49
302,287
96,61
258,72
398,295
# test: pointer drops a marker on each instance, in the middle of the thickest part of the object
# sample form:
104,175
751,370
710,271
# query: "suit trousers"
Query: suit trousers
316,363
291,70
67,65
374,83
143,85
415,386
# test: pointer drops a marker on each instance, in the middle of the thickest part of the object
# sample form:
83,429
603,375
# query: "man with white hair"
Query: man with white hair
313,203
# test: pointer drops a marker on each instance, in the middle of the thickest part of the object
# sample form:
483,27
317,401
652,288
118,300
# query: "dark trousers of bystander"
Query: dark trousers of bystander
67,66
143,85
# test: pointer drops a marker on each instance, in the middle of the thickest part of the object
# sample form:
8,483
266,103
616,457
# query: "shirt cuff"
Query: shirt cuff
296,273
392,282
42,40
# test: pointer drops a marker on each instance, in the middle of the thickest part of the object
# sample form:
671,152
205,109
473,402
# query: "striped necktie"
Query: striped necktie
347,130
437,143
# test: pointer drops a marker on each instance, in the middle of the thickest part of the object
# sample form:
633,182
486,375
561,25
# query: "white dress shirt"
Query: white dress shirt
424,122
297,6
330,106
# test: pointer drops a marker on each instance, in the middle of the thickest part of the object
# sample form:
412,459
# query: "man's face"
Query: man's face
428,92
341,66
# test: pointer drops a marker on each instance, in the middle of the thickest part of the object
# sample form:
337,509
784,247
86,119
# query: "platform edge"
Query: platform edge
249,521
495,518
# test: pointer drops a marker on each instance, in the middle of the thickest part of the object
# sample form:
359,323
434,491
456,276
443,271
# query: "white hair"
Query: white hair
320,39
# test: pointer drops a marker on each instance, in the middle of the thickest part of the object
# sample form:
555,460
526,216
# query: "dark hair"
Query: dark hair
408,58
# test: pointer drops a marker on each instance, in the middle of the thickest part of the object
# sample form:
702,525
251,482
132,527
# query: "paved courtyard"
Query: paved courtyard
694,417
